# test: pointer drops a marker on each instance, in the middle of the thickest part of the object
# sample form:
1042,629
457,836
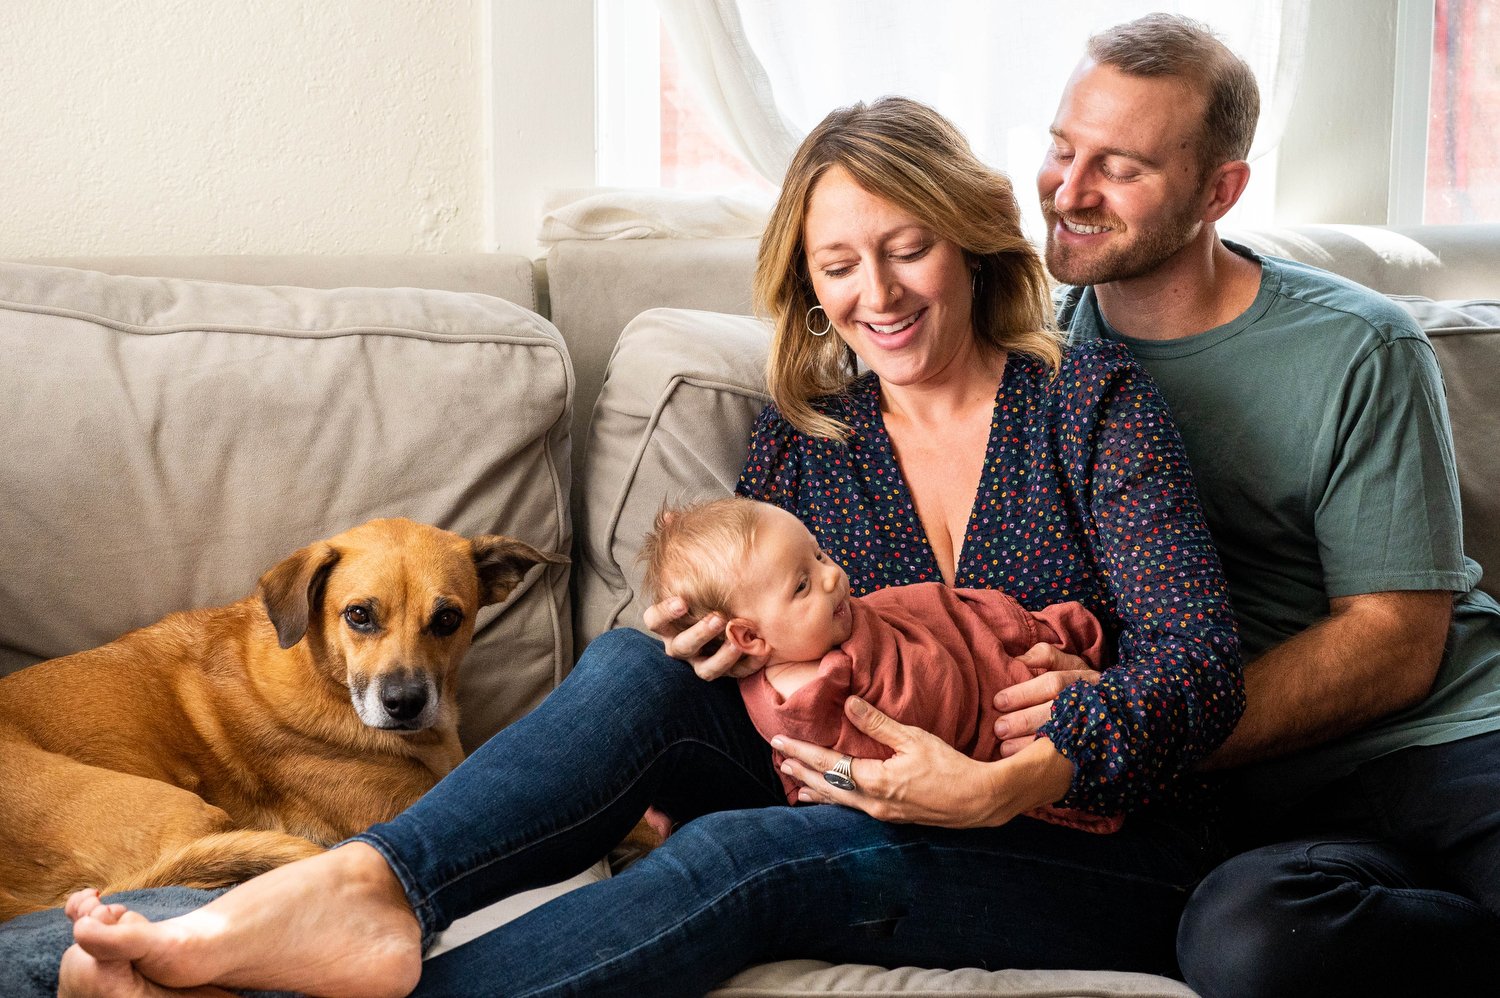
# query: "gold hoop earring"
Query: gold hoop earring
807,321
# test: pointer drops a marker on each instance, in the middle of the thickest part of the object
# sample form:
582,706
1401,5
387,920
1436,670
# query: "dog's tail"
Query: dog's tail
219,860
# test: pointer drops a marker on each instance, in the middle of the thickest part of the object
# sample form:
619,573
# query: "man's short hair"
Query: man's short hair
1171,45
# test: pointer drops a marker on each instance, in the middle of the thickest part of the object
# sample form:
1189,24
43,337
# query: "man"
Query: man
1368,759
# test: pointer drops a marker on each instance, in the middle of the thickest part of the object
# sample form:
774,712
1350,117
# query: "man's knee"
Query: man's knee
1228,938
1321,918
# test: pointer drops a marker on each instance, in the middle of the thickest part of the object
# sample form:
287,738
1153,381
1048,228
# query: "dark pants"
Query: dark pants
1391,886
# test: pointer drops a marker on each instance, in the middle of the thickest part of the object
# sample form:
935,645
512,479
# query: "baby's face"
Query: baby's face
796,596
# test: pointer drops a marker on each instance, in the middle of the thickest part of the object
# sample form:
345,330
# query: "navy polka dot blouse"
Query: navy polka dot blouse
1085,495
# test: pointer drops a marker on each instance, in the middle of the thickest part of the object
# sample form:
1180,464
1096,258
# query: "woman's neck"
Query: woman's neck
967,385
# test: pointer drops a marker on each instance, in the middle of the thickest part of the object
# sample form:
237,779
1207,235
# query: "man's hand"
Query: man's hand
1027,706
699,643
927,781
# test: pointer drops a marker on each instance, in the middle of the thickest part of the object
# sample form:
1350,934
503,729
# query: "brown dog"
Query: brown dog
217,744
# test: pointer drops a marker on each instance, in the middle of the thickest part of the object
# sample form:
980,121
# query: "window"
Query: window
730,88
694,153
996,69
1463,114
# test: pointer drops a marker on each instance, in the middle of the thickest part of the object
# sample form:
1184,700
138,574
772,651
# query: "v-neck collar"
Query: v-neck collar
963,568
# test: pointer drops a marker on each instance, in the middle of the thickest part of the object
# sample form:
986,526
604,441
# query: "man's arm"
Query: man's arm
1374,655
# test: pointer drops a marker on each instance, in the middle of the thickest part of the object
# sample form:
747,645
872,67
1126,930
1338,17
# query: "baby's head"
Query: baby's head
756,566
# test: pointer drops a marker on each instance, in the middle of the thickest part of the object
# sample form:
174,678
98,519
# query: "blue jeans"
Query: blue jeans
1397,893
746,879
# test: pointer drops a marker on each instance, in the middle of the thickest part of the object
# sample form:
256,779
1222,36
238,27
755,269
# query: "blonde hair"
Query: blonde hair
1169,45
906,153
695,552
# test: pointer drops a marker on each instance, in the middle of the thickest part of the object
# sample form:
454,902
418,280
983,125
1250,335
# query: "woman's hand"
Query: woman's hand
927,781
698,643
1027,706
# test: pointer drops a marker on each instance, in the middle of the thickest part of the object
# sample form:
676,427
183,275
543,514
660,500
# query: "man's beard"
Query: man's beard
1132,258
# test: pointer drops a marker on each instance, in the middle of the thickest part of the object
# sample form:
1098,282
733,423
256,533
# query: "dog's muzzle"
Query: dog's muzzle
404,700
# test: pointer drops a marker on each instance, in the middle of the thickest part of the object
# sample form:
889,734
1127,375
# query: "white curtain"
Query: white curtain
770,69
711,42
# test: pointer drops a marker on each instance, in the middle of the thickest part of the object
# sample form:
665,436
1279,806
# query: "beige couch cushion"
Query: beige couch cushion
672,421
596,287
167,440
1438,261
793,978
504,275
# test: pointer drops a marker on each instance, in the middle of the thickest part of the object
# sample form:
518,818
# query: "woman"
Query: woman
975,452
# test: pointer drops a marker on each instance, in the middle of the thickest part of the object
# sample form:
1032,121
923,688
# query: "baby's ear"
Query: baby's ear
742,634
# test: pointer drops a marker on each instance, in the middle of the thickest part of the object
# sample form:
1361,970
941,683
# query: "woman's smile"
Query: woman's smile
888,335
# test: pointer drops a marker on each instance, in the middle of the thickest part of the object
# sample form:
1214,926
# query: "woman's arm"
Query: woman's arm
697,642
1176,688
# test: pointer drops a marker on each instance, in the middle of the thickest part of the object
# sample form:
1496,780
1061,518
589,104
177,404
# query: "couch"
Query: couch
172,426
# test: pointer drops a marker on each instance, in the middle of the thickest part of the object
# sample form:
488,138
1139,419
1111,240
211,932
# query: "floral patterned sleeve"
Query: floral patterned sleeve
1176,690
773,466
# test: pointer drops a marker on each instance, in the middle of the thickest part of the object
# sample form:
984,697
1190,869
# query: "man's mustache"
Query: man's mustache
1092,217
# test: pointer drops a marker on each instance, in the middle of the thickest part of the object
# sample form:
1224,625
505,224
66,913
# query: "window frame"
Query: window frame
1411,111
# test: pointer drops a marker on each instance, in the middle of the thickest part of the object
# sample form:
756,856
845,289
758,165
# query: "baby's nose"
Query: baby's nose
830,581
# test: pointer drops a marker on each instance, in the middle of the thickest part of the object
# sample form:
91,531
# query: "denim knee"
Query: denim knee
1228,939
1322,918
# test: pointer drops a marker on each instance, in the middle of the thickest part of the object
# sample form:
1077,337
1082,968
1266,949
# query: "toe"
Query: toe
80,903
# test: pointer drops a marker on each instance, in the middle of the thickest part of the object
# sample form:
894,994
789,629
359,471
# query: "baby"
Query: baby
927,654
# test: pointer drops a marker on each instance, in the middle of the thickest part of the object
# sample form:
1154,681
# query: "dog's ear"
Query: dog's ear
293,587
502,561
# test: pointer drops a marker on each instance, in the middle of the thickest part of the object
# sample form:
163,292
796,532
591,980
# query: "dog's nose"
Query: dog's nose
403,697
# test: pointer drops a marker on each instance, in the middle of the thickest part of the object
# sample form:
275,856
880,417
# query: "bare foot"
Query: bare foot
83,975
337,924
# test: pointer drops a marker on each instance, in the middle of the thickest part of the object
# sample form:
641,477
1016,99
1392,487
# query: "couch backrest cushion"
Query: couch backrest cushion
1437,261
1466,337
166,441
595,287
672,422
504,275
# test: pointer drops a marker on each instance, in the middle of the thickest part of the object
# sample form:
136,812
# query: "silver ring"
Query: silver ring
841,775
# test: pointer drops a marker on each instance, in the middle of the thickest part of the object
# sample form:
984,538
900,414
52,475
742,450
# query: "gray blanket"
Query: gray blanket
32,945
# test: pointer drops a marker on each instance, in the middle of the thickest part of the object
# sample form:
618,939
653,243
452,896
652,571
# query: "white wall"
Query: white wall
542,114
241,126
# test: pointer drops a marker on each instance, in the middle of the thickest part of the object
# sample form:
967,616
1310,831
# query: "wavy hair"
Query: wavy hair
906,153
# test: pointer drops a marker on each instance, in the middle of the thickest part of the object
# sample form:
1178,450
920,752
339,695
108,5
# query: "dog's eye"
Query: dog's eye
446,621
359,618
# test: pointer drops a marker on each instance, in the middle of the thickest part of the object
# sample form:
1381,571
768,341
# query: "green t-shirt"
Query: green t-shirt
1318,433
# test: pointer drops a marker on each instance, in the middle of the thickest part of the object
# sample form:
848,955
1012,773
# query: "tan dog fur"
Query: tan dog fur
217,744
